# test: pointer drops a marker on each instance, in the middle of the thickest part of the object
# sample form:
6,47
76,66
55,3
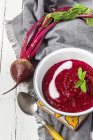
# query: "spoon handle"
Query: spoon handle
39,118
54,134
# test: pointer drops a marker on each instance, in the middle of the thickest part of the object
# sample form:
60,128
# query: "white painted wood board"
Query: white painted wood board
14,124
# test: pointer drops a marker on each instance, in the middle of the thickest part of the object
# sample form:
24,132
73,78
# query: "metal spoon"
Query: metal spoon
29,106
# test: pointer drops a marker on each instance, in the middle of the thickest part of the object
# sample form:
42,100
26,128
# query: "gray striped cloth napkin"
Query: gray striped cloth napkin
74,33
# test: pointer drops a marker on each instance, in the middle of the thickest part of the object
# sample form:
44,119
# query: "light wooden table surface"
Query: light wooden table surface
14,124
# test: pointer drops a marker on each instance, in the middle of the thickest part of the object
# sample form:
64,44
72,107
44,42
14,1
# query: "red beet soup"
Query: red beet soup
60,90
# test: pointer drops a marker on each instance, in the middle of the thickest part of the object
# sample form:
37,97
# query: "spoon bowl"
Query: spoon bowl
27,103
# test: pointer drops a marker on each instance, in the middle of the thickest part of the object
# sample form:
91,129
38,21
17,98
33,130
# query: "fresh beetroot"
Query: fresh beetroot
21,71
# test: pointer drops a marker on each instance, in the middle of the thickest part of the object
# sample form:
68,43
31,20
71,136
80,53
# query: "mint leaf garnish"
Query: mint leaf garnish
83,87
81,82
78,84
80,73
83,75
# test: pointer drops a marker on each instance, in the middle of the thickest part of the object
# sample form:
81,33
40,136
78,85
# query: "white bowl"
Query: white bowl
50,60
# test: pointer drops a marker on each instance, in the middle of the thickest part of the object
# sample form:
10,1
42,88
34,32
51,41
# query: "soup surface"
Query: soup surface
60,90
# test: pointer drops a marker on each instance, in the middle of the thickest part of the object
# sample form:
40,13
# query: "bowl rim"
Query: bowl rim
35,80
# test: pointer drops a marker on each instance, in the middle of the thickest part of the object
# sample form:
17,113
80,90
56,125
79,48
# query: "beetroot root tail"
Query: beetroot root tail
11,89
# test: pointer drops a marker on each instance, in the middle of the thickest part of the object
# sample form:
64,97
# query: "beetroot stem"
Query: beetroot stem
86,16
35,26
39,36
27,45
33,36
37,47
47,22
42,27
22,52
